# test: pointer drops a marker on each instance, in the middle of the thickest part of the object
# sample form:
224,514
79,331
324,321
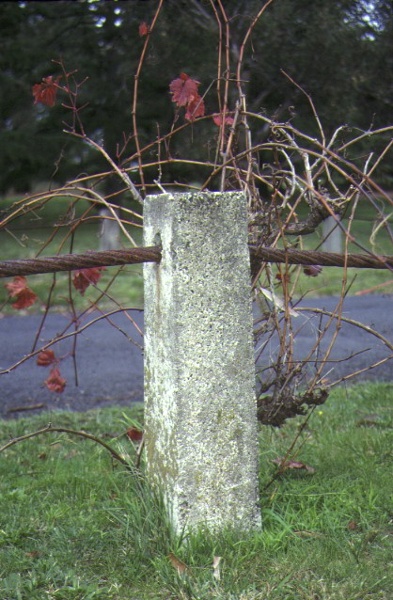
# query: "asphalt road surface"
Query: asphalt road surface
109,360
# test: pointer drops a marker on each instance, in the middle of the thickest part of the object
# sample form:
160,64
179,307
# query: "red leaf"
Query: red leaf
195,108
312,270
33,554
25,299
217,118
184,90
19,289
55,382
45,92
85,277
284,278
46,358
17,285
144,29
135,434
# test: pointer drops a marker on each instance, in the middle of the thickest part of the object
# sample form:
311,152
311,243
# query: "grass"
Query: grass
73,525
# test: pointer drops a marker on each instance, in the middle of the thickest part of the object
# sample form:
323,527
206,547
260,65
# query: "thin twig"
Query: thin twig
50,429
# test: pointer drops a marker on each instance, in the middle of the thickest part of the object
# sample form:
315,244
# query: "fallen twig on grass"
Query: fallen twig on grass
23,408
50,429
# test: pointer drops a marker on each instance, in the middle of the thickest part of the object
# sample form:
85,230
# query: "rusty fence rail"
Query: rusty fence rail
86,260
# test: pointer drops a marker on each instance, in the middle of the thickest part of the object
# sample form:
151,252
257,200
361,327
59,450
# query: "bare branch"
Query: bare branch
50,429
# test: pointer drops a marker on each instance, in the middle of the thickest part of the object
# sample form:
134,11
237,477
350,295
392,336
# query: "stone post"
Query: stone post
200,405
332,236
109,231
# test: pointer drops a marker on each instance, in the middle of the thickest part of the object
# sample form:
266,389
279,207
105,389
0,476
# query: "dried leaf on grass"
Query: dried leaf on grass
216,567
135,434
308,534
177,564
292,464
182,568
369,421
33,554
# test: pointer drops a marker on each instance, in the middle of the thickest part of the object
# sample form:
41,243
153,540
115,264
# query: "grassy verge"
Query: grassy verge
75,526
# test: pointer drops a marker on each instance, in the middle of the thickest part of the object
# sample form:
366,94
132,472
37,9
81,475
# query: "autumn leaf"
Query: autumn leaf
292,464
216,567
46,358
85,277
177,564
218,119
55,382
45,92
17,285
184,90
33,554
312,270
135,434
283,278
18,289
195,108
25,299
303,533
144,29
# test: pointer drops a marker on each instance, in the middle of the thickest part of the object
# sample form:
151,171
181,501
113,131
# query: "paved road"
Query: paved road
110,362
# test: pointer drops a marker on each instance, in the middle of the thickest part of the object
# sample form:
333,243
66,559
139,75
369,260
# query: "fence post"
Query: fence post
332,236
200,407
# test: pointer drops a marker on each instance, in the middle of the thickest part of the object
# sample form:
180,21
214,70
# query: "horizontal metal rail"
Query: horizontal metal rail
111,258
85,260
293,256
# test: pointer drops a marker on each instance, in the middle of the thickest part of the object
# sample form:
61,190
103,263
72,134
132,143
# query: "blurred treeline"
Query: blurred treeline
339,51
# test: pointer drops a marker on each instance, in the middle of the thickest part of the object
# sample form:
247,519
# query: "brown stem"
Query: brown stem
49,429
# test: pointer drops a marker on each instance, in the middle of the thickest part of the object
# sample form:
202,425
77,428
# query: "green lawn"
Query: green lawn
76,525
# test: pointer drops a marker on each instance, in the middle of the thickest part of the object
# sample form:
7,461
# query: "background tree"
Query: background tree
340,56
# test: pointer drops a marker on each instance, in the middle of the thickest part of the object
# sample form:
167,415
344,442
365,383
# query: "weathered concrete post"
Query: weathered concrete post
109,231
332,236
200,407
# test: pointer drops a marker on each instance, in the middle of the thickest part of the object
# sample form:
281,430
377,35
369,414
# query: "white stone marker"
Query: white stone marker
332,236
200,405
